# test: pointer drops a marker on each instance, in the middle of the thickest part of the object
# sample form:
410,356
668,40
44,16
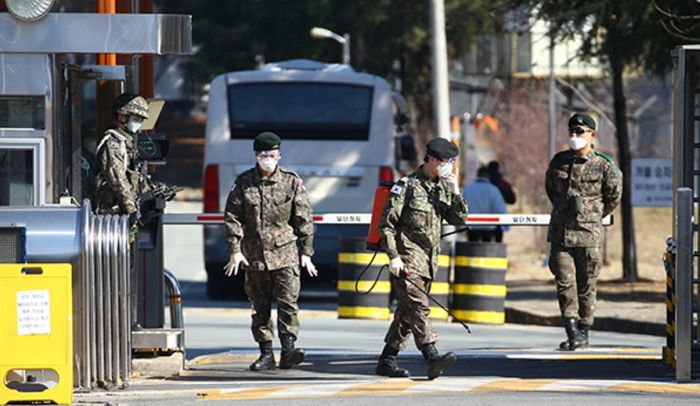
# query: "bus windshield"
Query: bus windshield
300,110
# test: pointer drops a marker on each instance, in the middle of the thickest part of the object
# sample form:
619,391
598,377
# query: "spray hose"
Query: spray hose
405,276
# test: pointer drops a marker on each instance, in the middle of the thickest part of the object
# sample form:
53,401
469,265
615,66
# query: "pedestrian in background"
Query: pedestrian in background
410,229
483,197
268,220
584,186
506,190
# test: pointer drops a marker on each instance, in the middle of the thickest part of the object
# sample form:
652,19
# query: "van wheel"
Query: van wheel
221,287
215,289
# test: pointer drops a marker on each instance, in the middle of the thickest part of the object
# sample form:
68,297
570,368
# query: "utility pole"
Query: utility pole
441,96
552,96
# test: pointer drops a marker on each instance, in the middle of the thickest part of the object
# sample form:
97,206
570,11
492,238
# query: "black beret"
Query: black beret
442,149
582,119
266,141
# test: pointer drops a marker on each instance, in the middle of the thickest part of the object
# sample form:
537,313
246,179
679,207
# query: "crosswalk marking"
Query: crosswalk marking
313,390
392,387
447,385
579,385
450,385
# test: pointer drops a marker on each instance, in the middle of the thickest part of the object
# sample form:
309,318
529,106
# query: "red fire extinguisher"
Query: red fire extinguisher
381,194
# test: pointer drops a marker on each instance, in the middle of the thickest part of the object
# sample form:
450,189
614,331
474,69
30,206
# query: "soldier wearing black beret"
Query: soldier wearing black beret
266,141
269,228
410,229
584,185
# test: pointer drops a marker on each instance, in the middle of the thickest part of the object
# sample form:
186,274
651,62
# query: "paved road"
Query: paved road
497,364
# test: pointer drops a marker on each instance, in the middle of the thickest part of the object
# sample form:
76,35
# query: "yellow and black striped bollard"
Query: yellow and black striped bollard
480,282
352,259
440,285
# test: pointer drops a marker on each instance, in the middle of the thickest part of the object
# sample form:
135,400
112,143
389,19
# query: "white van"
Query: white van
339,133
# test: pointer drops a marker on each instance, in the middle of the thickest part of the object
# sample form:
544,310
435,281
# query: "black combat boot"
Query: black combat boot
388,365
266,360
436,362
575,339
584,329
290,356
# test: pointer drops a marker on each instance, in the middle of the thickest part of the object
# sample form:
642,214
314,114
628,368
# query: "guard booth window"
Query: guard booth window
22,112
16,177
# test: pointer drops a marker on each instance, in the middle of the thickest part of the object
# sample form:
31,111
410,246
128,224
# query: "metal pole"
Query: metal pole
441,98
684,283
346,48
552,95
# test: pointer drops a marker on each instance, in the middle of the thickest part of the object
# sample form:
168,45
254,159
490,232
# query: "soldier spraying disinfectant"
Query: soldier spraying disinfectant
410,229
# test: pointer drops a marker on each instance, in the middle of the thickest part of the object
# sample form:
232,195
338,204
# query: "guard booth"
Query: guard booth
59,73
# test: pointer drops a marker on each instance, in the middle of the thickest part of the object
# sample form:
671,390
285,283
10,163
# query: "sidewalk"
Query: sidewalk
621,307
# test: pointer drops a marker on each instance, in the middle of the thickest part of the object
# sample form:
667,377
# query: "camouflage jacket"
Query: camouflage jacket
265,217
119,178
411,222
583,190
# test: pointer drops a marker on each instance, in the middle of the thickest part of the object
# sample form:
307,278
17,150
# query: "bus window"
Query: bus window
300,110
16,177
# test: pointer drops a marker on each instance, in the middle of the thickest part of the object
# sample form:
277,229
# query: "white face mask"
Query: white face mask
577,143
267,164
445,170
133,125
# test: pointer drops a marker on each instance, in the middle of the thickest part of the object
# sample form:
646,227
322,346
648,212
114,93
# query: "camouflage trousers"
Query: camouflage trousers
576,271
411,314
281,286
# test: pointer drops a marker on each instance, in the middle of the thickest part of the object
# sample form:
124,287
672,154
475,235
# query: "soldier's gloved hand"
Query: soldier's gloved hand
310,267
234,264
396,266
452,182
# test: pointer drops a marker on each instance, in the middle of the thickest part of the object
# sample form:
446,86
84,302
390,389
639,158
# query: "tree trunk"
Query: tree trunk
629,249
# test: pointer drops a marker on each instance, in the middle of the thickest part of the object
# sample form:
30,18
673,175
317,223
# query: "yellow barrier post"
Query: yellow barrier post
352,259
36,333
440,285
480,282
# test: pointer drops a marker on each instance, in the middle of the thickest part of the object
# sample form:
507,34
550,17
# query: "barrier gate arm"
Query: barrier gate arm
365,218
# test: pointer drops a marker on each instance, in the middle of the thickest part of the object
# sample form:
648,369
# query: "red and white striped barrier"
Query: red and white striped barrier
364,218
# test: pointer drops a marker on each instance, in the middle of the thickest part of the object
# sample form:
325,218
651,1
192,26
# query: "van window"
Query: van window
300,110
16,177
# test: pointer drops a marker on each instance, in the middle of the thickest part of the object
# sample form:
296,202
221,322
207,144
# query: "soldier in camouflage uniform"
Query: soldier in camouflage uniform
121,179
410,227
584,186
268,220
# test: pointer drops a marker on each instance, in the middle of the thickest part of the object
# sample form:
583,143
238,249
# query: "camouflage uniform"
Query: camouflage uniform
410,228
583,190
119,181
268,221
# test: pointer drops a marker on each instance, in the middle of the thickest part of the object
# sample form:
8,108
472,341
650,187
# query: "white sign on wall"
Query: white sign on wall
652,182
33,312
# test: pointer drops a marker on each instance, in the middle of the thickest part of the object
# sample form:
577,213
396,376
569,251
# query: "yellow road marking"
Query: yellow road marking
402,386
378,388
609,356
250,393
658,387
508,385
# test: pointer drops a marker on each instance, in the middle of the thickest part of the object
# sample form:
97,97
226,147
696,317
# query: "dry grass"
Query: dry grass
527,247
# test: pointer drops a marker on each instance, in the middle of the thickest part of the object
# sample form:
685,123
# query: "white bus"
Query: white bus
341,132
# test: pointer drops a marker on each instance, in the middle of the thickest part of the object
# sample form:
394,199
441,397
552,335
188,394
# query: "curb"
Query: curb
600,324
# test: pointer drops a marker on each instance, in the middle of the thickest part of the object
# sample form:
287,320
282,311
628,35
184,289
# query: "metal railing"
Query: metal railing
104,319
174,299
